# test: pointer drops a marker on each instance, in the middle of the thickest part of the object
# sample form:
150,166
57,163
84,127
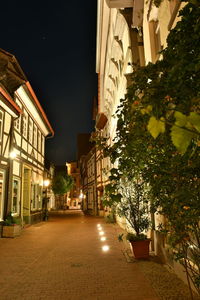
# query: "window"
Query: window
30,131
39,141
33,196
17,123
39,196
35,136
36,196
42,145
1,124
16,196
154,31
24,126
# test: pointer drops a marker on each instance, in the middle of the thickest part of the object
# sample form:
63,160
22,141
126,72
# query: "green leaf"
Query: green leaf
110,188
194,118
146,110
181,138
155,126
181,119
116,198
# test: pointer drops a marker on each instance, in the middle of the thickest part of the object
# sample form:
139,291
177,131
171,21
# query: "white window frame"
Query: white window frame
30,131
1,124
17,196
25,123
34,136
39,198
39,141
42,144
17,122
33,196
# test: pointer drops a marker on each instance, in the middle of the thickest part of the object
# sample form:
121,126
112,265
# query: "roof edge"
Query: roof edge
28,85
10,100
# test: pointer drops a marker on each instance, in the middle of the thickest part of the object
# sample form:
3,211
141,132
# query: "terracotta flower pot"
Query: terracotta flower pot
140,248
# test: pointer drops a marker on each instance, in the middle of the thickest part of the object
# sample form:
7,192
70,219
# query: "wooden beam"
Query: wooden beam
119,3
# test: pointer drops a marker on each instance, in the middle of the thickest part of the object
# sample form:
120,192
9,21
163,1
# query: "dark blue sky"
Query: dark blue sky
55,45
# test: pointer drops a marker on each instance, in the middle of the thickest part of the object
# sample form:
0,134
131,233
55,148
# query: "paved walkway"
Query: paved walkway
63,259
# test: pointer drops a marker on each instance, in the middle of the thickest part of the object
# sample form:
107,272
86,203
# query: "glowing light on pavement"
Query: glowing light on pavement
103,238
101,233
105,248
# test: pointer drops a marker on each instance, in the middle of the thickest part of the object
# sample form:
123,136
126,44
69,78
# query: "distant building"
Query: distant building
23,129
74,198
88,177
60,200
88,180
49,175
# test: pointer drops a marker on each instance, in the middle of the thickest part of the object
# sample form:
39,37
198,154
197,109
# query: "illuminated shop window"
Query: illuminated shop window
33,196
39,197
16,196
36,196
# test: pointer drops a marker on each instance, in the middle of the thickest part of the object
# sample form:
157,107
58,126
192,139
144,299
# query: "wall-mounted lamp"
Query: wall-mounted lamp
13,155
81,195
46,182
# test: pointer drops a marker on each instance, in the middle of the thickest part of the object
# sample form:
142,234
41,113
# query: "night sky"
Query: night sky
55,45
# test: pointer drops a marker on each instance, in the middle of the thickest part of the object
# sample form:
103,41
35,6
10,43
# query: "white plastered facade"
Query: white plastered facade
113,58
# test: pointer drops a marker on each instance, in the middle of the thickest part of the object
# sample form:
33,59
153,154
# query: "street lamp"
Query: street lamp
46,183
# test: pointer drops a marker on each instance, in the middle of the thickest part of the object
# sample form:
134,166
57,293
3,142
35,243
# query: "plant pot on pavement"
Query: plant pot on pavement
140,248
11,226
11,231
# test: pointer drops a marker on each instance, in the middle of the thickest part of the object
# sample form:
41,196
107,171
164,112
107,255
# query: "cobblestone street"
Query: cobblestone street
63,259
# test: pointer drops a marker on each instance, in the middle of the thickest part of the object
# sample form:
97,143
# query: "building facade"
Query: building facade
24,127
129,33
49,172
74,200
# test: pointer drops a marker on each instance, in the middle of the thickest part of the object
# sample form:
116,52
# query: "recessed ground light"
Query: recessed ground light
105,248
101,233
99,228
103,238
98,225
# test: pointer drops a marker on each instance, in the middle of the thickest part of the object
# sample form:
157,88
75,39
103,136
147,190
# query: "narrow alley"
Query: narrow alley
63,259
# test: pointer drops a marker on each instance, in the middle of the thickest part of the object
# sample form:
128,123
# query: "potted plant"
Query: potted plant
11,227
134,207
139,244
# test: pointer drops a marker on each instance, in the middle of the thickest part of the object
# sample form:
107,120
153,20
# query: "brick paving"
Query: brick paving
63,259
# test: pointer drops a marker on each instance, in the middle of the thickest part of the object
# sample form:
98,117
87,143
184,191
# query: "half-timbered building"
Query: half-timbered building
23,129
